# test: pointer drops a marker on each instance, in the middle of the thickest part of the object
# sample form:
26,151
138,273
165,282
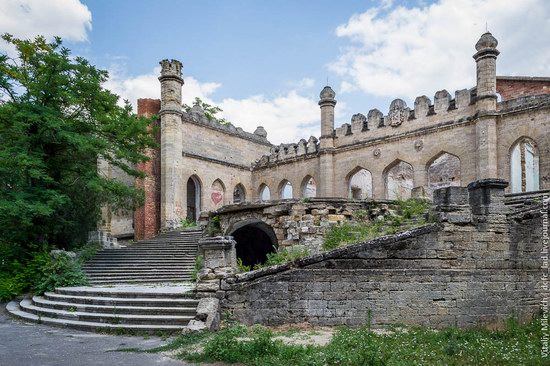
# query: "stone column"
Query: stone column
326,160
171,148
486,199
220,261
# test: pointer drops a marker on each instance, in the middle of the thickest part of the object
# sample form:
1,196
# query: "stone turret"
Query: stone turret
326,160
486,59
171,144
327,104
486,104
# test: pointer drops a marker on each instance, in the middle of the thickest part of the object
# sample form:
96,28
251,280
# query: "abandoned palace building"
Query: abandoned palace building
500,128
481,155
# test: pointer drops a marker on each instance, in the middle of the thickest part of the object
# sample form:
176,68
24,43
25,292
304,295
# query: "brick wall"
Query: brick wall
514,87
147,217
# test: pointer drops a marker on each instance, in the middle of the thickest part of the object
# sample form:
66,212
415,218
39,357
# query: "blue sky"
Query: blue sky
264,62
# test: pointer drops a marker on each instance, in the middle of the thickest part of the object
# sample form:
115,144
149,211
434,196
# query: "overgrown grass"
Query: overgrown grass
186,224
410,213
516,345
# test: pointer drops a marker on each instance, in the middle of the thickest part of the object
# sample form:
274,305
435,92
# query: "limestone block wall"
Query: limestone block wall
478,266
220,144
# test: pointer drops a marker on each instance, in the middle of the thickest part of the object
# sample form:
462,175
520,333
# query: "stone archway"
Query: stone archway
255,240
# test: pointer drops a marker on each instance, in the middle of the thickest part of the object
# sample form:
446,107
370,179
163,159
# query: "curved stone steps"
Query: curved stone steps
139,308
88,308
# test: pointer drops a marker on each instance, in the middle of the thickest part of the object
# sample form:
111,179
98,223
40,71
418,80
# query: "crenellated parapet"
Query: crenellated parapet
197,116
288,152
401,117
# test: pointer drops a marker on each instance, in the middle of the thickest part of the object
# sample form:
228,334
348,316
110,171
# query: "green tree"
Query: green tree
56,120
210,111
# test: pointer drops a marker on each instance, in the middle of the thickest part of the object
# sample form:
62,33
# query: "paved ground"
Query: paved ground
38,345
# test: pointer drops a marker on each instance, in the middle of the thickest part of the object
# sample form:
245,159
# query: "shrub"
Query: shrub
60,272
199,264
241,267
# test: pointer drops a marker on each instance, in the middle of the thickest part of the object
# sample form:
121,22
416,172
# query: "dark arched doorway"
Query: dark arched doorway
193,199
255,240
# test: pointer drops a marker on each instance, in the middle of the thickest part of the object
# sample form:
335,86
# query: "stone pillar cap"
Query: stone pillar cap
488,183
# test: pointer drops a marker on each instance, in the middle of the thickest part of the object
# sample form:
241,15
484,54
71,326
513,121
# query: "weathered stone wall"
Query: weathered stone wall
512,87
478,266
301,224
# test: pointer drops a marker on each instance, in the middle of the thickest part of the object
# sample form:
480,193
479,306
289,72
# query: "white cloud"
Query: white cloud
148,86
406,52
286,117
304,83
69,19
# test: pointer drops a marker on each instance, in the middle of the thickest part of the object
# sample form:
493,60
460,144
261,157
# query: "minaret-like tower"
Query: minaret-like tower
171,144
326,161
486,62
486,104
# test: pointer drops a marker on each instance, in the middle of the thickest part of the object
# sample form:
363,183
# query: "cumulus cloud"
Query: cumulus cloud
406,52
69,19
286,117
148,86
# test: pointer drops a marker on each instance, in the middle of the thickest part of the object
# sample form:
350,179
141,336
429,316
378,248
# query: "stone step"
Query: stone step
129,276
14,309
178,291
95,270
120,301
122,318
138,262
117,268
137,281
40,301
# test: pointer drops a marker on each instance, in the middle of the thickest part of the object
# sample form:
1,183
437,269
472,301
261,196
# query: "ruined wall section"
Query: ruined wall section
224,142
473,268
147,217
524,117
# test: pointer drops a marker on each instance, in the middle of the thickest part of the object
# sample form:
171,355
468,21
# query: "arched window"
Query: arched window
239,194
524,166
193,198
360,184
309,187
285,190
443,171
265,193
399,180
218,192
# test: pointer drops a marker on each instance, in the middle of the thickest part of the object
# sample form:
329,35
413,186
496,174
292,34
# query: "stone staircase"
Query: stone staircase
142,288
169,257
125,309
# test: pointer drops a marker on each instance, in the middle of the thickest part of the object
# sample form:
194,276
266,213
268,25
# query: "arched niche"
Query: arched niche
359,184
309,187
524,166
399,180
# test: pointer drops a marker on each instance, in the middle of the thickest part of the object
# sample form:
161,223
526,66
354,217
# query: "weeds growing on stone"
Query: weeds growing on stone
409,214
